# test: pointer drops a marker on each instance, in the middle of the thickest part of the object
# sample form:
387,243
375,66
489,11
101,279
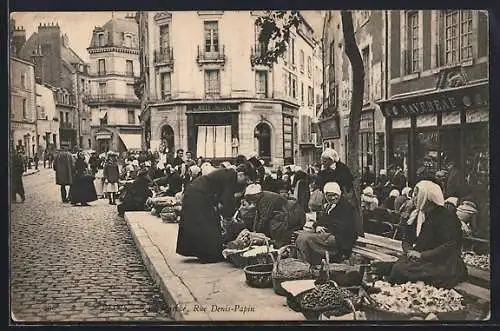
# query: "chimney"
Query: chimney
18,38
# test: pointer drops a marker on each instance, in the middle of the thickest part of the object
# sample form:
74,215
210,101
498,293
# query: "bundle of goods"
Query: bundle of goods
342,274
476,260
328,299
287,270
249,248
414,300
168,208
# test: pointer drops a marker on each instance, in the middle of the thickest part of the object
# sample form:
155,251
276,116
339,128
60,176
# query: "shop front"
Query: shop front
428,132
212,130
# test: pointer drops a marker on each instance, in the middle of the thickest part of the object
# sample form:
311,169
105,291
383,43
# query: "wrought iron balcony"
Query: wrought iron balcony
102,73
256,52
211,57
112,98
164,56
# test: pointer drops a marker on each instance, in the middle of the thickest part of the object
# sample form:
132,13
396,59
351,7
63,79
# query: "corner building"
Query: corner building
201,90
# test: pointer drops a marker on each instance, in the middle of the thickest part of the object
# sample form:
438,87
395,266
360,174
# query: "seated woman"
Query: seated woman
136,194
389,202
432,242
335,230
368,200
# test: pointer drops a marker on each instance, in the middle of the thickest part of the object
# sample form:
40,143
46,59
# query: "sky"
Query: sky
79,25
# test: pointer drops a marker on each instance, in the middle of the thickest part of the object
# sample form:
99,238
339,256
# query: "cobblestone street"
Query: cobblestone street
75,263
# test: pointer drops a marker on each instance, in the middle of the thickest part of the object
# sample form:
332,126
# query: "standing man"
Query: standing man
35,159
17,169
45,158
51,159
179,158
63,166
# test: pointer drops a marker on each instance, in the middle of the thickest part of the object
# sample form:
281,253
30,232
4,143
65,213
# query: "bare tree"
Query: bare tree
358,78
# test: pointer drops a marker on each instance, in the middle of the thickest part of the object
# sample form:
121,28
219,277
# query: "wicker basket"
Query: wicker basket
240,261
344,275
279,277
259,275
314,314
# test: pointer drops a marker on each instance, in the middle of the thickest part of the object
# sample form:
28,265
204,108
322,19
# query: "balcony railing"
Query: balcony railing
111,98
164,56
211,57
101,73
256,52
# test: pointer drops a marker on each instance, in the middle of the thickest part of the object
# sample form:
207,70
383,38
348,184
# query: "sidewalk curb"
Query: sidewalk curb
31,173
177,295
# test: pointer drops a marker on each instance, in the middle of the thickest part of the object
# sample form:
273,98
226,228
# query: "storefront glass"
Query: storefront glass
427,150
400,152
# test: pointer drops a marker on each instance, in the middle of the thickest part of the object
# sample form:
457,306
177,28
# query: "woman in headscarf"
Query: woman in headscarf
432,240
335,230
137,193
82,190
333,170
389,202
205,200
368,199
402,199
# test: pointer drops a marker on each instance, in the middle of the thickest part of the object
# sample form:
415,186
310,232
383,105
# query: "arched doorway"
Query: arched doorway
167,139
263,135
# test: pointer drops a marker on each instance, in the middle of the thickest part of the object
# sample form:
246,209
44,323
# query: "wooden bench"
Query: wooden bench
378,248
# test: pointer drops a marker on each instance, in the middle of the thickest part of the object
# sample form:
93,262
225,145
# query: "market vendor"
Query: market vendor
432,242
137,193
272,216
204,201
335,230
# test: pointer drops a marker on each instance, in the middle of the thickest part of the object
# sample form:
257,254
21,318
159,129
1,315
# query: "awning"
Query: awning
103,114
132,141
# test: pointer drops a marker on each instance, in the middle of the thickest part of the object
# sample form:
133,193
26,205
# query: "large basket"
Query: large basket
279,275
344,275
259,275
240,261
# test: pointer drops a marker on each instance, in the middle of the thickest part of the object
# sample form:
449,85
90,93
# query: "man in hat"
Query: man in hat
63,166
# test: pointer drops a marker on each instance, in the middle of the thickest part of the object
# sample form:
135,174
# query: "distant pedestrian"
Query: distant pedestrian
51,160
45,159
111,175
17,170
63,166
35,159
82,190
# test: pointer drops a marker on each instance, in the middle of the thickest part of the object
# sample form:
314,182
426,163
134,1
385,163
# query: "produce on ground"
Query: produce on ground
476,260
254,251
329,297
291,268
416,298
247,238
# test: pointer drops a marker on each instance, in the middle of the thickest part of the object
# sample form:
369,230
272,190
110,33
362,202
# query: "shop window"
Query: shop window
413,56
427,152
261,83
211,37
214,141
167,139
400,152
212,83
166,86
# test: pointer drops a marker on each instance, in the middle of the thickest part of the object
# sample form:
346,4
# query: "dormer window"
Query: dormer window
127,40
100,39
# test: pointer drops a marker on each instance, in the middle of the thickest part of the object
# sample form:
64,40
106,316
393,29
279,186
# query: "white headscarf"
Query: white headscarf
207,168
368,191
406,191
426,191
394,193
332,155
253,189
331,187
195,170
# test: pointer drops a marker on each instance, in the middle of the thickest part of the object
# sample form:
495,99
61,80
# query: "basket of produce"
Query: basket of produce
480,261
168,215
249,248
286,270
329,299
414,301
259,275
342,274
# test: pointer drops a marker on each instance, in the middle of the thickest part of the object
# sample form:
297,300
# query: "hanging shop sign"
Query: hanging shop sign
212,107
445,101
329,128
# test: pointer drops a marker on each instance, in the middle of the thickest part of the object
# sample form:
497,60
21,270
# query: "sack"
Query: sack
316,201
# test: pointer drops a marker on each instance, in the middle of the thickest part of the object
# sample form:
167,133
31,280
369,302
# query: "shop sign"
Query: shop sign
289,110
329,128
427,120
401,123
446,101
212,107
366,122
476,116
451,118
23,126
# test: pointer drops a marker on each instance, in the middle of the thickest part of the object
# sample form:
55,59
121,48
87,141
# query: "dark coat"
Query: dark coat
303,194
136,195
174,182
82,189
111,173
439,242
200,232
399,181
340,222
177,161
271,214
63,166
455,184
341,174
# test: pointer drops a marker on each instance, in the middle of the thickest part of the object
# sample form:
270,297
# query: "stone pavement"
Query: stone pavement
75,263
31,171
201,292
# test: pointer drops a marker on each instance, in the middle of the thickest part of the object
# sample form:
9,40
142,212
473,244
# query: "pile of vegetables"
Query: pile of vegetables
246,239
476,260
291,268
416,298
257,250
328,297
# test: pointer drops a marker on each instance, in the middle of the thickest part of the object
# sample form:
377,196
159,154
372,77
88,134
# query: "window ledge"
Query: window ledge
412,76
468,63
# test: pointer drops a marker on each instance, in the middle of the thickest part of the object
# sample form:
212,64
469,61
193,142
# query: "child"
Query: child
111,175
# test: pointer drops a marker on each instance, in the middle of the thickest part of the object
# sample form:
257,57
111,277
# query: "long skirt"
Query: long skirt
112,187
311,248
82,190
200,232
443,273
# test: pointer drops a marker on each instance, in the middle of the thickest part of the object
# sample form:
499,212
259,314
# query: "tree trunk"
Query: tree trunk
358,76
